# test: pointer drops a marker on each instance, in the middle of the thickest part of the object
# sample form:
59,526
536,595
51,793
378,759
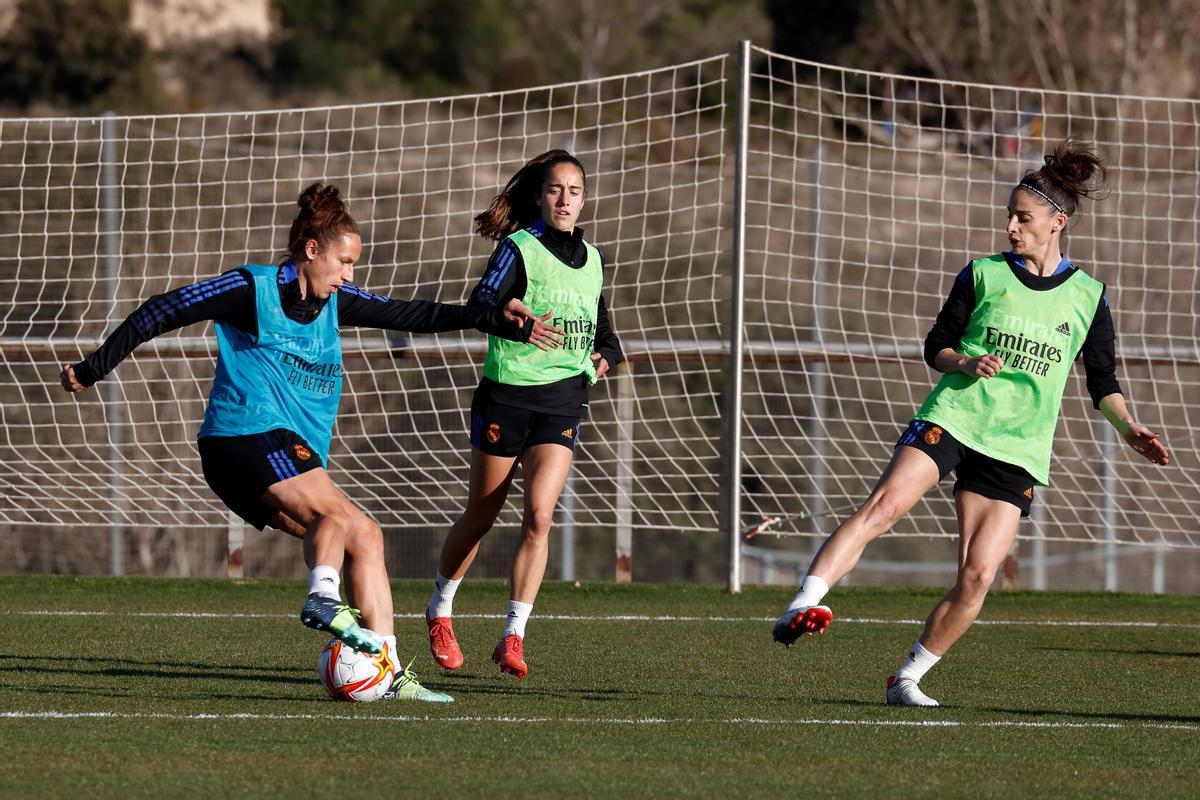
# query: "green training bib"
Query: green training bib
1038,334
573,295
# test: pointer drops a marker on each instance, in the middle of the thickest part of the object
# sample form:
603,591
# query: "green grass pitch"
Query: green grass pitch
188,688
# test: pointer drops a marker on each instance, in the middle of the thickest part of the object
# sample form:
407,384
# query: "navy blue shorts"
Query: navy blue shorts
240,468
508,431
974,471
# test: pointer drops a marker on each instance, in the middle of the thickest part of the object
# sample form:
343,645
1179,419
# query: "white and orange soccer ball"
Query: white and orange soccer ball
355,677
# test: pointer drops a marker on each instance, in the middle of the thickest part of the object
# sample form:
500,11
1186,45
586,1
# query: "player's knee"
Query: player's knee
477,520
882,512
365,540
974,581
538,522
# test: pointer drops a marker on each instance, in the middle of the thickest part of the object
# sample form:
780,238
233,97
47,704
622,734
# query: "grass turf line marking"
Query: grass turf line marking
1066,623
887,723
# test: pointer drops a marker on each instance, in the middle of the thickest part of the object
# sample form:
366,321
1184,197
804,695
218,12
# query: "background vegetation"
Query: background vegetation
68,56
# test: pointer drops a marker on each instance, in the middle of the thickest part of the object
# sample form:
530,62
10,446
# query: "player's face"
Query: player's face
328,269
1033,225
562,197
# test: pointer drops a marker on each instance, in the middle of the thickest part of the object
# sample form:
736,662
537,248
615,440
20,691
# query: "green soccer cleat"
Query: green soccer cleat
405,686
324,613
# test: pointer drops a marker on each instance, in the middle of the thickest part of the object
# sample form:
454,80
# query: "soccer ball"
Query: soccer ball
352,676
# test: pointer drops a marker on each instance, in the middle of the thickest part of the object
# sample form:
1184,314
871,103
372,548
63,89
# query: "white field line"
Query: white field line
1065,623
858,723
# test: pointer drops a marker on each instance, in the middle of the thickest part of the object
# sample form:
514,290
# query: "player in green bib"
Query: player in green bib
531,403
1004,340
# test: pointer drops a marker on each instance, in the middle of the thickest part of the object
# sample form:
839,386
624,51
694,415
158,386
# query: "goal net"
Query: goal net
866,194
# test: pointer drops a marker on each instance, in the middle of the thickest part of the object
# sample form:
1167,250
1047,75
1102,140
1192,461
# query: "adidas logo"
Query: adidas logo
569,433
1064,329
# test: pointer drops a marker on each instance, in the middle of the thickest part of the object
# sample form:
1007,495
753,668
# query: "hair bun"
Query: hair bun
318,196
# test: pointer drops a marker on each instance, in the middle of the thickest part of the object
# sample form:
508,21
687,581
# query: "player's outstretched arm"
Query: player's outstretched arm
513,320
229,296
1143,440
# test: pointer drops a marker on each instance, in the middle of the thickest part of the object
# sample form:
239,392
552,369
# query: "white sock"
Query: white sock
919,662
812,589
390,641
441,602
518,615
324,580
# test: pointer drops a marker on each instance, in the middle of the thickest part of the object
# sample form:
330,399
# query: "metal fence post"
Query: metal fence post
1110,508
624,548
114,407
733,406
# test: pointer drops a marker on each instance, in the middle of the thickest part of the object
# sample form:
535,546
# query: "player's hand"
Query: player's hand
1145,442
601,365
69,382
983,367
543,336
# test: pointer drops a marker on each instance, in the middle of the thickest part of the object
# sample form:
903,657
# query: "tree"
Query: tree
1123,46
76,54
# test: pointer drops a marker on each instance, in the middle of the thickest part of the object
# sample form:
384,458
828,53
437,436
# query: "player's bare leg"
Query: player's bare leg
908,476
987,528
545,469
490,479
334,528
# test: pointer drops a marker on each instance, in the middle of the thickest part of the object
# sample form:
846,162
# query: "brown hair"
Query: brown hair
1072,172
323,217
516,207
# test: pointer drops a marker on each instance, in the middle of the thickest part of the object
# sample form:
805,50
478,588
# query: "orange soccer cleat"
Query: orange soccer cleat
510,655
443,644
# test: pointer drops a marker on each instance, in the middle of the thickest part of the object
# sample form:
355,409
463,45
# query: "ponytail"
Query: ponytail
1072,172
516,207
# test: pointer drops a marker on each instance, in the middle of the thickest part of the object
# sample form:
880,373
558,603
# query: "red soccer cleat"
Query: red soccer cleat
510,655
443,644
806,619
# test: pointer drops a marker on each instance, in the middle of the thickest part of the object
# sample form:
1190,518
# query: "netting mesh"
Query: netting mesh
867,194
182,198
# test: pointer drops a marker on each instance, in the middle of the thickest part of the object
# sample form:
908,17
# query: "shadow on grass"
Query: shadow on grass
1119,651
126,668
473,684
1043,715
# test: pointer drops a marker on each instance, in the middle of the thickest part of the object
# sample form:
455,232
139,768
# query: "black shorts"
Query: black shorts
508,431
240,468
975,472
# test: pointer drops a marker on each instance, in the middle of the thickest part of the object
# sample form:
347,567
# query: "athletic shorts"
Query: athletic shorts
974,471
240,468
508,431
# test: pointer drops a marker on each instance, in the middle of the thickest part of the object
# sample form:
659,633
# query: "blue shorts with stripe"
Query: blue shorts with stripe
240,468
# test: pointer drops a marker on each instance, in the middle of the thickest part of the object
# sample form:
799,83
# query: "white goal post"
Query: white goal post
864,194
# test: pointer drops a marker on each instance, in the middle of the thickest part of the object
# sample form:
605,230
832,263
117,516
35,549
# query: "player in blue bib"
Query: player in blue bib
264,444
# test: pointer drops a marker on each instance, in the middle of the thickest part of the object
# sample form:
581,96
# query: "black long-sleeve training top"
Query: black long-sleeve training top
504,279
1098,352
230,298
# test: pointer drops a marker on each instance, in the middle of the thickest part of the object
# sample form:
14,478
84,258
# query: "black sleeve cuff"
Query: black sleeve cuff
612,356
85,374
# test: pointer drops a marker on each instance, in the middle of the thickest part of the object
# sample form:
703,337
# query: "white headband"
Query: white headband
1043,195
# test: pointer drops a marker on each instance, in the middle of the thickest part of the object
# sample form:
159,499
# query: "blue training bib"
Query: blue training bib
289,376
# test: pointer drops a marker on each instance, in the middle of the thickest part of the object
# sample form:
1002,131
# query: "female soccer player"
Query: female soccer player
529,406
265,439
1005,339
